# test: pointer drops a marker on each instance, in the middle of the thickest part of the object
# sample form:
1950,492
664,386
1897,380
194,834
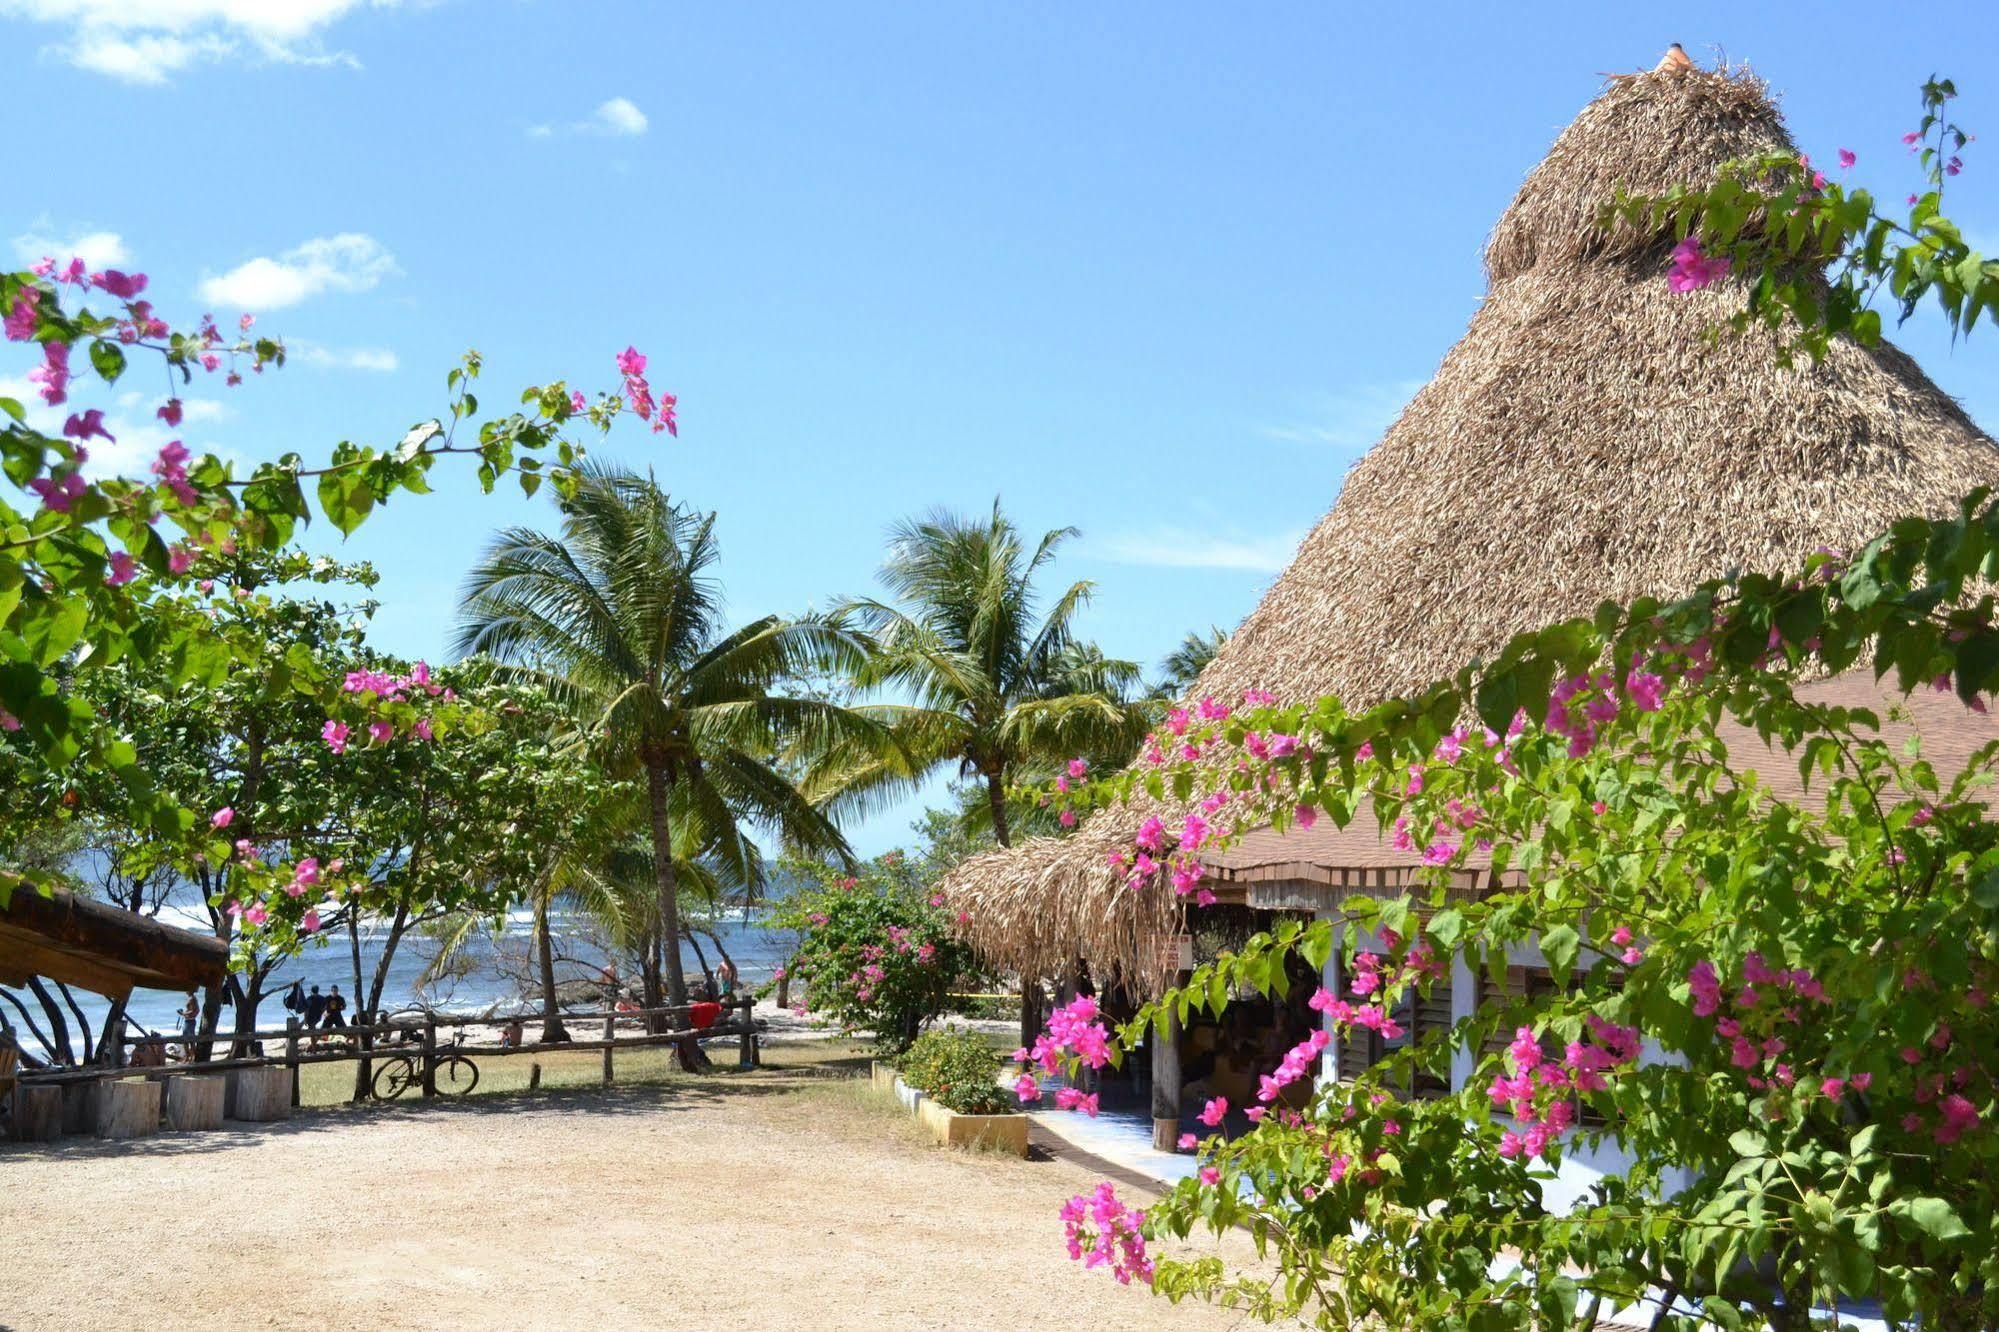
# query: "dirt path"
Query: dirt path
770,1200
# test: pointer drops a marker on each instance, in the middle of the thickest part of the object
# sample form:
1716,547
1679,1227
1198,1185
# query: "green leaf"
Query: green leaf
1934,1217
107,360
1559,946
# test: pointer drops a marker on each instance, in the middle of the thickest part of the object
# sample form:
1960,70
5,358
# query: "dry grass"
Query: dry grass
789,1197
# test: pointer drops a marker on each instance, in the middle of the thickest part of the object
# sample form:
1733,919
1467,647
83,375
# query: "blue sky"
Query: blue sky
1131,267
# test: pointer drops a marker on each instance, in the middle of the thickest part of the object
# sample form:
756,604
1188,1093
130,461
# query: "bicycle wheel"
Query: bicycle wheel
456,1075
394,1077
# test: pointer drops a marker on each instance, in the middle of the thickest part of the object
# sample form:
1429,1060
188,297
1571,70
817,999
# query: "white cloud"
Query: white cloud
619,118
1181,550
1350,419
149,41
347,262
99,249
378,359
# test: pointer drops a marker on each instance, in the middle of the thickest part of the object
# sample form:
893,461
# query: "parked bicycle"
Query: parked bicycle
456,1074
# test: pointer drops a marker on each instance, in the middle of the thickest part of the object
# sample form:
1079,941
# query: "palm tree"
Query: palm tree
1184,664
994,690
621,611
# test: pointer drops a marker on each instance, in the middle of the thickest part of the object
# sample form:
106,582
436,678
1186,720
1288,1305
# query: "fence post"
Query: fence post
610,1030
114,1053
291,1054
746,1057
429,1055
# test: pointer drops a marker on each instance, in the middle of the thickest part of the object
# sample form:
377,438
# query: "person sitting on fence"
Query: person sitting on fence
151,1053
513,1033
725,975
336,1010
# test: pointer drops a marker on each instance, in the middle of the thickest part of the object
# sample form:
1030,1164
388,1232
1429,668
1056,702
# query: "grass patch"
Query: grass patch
499,1075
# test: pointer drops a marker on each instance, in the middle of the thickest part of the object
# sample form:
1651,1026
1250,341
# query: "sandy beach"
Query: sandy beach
782,1198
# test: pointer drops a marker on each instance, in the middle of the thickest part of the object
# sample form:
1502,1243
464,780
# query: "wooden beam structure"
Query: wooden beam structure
102,948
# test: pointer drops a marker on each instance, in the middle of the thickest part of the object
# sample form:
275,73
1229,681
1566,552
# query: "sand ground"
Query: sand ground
785,1198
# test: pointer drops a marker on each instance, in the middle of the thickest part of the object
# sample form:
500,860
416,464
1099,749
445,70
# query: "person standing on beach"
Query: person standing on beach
190,1021
312,1009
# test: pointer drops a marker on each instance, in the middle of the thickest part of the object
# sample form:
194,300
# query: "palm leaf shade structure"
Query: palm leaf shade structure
1583,441
621,608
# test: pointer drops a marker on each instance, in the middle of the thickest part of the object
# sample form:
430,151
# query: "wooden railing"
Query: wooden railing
427,1049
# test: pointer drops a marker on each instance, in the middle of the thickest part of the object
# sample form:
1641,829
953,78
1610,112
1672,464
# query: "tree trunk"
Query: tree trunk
700,957
669,883
364,1071
551,1013
996,799
1030,1011
691,1057
58,1039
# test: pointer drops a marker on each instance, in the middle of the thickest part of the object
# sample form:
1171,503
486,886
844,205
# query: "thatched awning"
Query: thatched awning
101,948
1583,441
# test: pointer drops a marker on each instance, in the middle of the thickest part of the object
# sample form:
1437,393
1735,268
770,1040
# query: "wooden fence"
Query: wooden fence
426,1050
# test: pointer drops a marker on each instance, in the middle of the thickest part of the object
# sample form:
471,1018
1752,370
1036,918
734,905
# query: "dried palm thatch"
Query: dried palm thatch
1583,441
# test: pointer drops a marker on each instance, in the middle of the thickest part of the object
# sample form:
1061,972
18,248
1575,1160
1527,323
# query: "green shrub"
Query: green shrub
959,1070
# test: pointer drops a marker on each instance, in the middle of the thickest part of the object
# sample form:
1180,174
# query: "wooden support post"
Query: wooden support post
429,1056
784,984
194,1102
37,1114
746,1055
291,1055
610,1030
79,1106
257,1095
128,1109
113,1052
534,1075
1166,1086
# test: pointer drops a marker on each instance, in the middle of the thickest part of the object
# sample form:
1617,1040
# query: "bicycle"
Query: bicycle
456,1074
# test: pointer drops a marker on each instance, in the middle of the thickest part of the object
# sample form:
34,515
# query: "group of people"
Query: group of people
321,1013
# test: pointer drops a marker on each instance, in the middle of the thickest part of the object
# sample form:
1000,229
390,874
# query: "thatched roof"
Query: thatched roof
1582,441
101,948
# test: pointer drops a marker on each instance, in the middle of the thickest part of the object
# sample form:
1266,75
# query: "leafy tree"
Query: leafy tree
875,948
621,614
81,570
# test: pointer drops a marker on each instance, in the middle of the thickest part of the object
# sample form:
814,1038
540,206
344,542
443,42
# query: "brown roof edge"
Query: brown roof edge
99,937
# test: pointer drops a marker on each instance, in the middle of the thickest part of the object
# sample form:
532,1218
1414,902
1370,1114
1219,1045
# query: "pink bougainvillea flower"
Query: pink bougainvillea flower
170,412
53,374
1215,1111
122,285
1952,167
1077,767
309,922
179,559
21,321
123,569
1693,270
222,818
1188,1142
86,425
1912,138
1846,159
631,361
8,721
335,734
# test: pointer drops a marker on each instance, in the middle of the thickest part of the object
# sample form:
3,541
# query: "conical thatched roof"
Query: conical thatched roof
1582,441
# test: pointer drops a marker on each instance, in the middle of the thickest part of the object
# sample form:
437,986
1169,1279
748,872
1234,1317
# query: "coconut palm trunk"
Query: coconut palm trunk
552,1029
691,1057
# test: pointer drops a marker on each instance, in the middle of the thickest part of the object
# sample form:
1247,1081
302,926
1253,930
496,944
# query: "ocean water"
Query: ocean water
756,951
